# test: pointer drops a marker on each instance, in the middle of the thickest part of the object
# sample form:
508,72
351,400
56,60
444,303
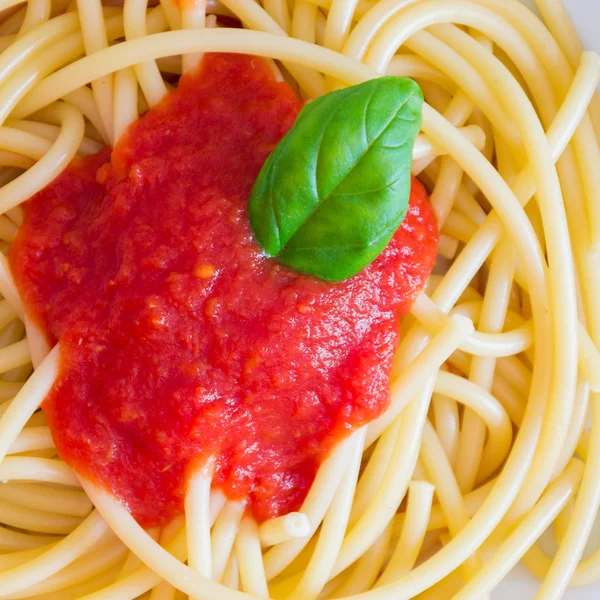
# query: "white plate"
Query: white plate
519,585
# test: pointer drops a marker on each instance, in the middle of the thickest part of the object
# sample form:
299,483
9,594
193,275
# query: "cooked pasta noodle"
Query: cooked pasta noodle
485,443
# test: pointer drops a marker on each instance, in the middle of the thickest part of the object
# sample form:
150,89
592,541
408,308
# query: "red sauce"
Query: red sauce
180,339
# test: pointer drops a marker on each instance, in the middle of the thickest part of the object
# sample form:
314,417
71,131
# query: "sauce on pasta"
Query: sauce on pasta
182,343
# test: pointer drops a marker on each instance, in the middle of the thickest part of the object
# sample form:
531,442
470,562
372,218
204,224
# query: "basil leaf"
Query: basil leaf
335,189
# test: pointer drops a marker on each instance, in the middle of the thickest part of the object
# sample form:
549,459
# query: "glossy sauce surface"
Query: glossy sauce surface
181,341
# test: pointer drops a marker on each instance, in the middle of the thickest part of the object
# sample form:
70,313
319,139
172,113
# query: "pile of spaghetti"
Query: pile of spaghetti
492,435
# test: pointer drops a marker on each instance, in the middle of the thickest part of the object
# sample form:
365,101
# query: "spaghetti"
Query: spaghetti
486,442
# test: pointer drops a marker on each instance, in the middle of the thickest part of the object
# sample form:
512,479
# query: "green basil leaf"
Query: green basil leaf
335,189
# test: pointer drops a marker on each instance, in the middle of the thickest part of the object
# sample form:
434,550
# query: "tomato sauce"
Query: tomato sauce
181,342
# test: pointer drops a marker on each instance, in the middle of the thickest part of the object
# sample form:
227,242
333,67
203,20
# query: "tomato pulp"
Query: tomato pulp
181,342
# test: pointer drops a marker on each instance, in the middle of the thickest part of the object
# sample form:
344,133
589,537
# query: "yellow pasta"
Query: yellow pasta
485,443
